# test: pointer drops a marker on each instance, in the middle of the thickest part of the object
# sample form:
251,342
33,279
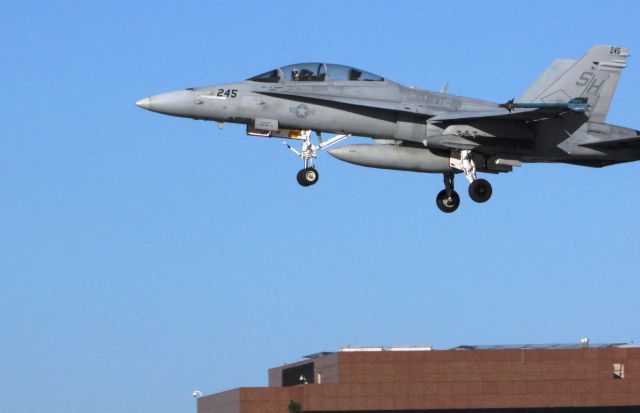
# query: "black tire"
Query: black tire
480,190
307,176
446,204
300,178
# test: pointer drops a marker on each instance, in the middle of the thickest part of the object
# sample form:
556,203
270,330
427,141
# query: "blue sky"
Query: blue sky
143,257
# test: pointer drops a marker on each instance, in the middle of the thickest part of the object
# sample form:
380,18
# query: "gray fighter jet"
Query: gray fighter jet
560,118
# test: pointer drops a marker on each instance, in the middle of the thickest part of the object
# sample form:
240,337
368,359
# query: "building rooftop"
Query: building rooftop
583,344
593,378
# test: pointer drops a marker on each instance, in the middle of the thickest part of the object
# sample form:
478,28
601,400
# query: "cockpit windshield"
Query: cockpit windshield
305,72
271,76
339,72
316,72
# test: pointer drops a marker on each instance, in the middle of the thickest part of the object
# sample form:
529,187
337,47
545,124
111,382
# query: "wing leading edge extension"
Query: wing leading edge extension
520,111
360,102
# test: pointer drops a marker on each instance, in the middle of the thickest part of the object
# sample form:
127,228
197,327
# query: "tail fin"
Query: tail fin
553,72
595,76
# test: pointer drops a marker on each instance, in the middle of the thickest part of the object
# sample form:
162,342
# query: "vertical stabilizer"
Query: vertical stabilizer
553,72
595,76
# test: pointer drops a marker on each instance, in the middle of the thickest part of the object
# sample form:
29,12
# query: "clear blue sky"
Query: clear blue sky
143,257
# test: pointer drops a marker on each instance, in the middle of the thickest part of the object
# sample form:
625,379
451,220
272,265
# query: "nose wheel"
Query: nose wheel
308,175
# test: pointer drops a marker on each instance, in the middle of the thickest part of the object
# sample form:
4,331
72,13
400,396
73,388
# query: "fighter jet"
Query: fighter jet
559,118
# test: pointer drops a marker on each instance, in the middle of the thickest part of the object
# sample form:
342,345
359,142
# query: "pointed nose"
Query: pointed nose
178,103
144,103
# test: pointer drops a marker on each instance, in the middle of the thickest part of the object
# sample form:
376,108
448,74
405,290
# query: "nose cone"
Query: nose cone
144,103
178,103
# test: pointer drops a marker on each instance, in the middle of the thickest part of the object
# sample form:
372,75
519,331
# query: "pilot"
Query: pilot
354,74
295,75
306,74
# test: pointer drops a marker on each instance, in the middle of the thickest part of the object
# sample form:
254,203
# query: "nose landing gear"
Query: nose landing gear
308,152
307,176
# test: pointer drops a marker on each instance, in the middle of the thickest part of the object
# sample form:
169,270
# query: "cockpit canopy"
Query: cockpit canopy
316,72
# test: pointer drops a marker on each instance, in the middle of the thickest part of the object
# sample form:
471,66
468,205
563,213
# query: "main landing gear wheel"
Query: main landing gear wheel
307,176
447,203
480,190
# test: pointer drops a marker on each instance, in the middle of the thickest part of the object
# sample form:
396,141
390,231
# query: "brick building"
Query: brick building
529,379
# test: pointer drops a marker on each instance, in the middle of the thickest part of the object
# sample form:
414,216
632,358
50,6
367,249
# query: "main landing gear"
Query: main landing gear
480,190
309,174
448,200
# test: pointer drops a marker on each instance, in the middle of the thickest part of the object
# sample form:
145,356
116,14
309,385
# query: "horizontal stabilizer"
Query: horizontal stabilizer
624,143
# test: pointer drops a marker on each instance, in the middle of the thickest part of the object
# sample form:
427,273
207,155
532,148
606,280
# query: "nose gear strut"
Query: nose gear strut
308,152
